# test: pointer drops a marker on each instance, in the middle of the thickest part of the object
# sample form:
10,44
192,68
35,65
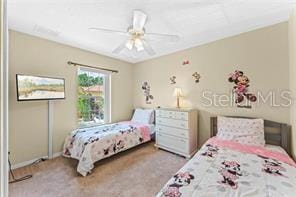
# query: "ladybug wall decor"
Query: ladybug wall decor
185,62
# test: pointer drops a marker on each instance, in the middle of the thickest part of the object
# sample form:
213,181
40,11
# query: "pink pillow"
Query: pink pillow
241,130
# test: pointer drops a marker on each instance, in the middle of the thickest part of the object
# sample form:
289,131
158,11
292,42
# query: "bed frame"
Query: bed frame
275,133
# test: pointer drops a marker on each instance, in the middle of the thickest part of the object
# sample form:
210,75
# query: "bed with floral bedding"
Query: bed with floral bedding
89,145
238,160
227,168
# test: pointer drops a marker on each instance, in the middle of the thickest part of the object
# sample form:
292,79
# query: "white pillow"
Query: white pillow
145,116
241,130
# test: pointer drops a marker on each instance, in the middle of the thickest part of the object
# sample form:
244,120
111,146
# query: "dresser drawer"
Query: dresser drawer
181,115
172,131
171,142
172,123
165,114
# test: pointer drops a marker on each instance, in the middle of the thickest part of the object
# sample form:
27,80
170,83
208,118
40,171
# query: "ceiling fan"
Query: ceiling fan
137,36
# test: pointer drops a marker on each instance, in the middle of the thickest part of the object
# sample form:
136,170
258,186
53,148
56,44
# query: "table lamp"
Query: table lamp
178,93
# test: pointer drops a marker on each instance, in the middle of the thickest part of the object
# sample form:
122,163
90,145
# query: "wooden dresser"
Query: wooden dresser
176,130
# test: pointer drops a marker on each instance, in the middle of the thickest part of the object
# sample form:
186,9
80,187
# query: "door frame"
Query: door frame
4,170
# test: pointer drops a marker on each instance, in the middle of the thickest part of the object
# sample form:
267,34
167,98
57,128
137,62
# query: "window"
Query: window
93,97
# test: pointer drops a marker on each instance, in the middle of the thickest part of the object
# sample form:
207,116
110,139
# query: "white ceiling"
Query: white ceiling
195,21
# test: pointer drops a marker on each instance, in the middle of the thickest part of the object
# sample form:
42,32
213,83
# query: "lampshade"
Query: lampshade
139,44
129,44
178,92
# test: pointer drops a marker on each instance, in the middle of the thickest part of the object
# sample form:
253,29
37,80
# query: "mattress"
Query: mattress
89,145
225,168
275,148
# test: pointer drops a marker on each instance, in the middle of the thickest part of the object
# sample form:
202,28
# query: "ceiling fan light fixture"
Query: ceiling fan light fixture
137,37
129,44
140,48
139,44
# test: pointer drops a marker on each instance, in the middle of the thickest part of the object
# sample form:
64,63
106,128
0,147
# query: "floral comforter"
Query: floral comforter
225,168
89,145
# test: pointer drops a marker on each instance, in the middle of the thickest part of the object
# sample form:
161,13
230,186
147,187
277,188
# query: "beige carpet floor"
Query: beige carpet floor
138,172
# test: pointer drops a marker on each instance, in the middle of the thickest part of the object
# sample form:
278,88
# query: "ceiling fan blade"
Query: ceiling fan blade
148,48
162,37
139,19
119,48
108,30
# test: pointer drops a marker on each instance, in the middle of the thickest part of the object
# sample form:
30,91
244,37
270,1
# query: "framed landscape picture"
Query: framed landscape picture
39,88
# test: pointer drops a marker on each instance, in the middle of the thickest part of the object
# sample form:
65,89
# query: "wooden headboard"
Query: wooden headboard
275,133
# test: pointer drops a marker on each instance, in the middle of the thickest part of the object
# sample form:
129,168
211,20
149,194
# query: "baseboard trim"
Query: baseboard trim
25,163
